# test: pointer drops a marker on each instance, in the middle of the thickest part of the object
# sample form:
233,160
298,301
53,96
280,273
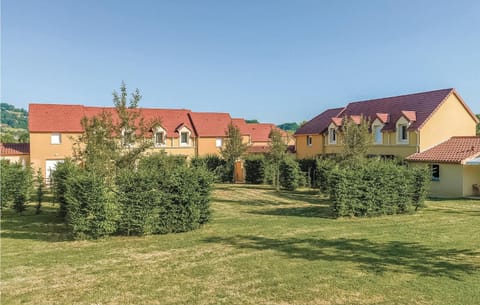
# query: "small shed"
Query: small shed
15,152
455,166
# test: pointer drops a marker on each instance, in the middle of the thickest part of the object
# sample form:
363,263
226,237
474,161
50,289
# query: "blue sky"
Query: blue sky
275,61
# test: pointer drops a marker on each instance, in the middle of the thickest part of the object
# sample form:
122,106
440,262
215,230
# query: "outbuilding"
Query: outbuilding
455,166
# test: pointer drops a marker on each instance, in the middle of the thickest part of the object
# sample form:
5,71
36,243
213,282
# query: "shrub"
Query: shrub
63,171
290,174
91,207
323,169
215,165
40,190
255,169
16,184
421,185
376,187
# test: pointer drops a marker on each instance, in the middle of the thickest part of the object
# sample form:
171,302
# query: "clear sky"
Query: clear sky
276,61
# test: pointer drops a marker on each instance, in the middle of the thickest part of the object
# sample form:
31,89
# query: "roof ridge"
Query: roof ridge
401,95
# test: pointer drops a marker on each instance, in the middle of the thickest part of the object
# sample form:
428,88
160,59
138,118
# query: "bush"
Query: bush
323,169
215,165
40,188
63,171
290,174
91,208
16,184
255,169
376,187
309,170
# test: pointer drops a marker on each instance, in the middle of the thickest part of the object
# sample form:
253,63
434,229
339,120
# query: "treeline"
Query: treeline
13,117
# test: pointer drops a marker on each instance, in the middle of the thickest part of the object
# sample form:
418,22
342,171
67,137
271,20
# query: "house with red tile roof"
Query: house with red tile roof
54,129
15,152
400,125
455,166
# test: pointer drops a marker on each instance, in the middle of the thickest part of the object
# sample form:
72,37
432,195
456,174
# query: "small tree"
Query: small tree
234,147
40,190
276,154
356,138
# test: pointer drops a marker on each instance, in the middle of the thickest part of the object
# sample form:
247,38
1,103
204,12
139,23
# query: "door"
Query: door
239,172
50,166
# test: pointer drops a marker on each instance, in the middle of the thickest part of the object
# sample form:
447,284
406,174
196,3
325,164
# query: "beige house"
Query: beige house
400,125
15,152
455,166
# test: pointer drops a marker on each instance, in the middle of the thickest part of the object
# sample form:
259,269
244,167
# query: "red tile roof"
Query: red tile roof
258,149
210,124
417,108
66,118
454,150
14,149
319,123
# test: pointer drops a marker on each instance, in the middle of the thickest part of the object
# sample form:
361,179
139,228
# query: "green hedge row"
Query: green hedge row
163,195
16,185
376,187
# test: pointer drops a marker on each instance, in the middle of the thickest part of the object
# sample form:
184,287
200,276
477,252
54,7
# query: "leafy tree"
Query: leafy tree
40,190
110,143
356,138
478,125
13,117
234,146
276,154
292,126
254,121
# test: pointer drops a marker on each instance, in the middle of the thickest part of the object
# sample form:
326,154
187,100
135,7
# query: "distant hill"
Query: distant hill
14,124
289,126
13,117
252,121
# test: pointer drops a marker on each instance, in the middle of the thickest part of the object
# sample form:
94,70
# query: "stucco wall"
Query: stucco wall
41,149
22,159
304,151
207,146
451,180
451,119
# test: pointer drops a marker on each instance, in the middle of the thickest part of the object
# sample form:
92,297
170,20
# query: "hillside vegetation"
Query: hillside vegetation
14,124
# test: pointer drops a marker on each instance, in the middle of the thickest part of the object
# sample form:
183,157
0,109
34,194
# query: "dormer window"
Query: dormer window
377,133
127,137
184,138
402,130
160,138
332,135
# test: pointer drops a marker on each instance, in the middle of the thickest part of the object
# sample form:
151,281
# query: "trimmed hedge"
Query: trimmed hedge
16,185
255,169
376,187
290,174
91,210
222,172
309,169
63,171
323,169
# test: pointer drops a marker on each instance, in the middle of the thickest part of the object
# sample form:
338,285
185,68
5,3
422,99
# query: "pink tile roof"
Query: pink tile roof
416,107
66,118
14,149
454,150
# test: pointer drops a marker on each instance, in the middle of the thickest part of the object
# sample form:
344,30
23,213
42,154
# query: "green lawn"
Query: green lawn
261,247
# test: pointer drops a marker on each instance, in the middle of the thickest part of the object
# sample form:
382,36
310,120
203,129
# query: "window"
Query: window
159,138
56,138
332,136
435,172
402,133
377,131
309,141
184,138
218,142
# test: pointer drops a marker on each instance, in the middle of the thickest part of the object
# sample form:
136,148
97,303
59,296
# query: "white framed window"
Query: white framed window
56,138
435,168
218,142
402,133
332,136
377,133
184,138
159,138
309,140
127,137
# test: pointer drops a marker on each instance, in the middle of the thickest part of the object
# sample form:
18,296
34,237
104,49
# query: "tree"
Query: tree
40,190
234,147
478,125
356,138
276,154
113,140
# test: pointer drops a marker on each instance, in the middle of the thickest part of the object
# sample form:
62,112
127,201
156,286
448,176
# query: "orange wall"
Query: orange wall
207,146
451,119
304,151
22,159
41,149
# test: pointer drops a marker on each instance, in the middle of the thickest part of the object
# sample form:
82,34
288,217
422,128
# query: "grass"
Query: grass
261,247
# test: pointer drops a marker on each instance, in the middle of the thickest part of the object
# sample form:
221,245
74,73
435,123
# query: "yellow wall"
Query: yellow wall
207,146
41,149
304,151
451,119
471,175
